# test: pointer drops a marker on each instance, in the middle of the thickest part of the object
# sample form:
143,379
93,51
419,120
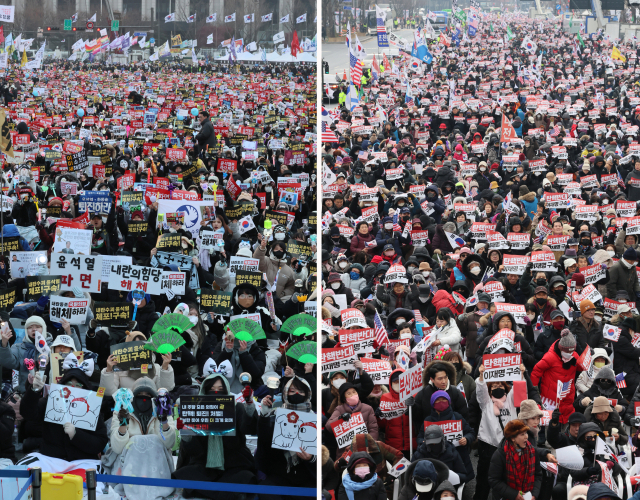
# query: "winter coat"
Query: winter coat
329,395
357,285
409,492
491,426
468,382
422,408
286,277
449,335
633,184
112,381
427,309
206,136
374,492
440,241
530,202
550,305
13,357
367,415
119,442
587,332
548,371
358,242
622,278
449,456
558,438
469,330
7,428
390,300
444,174
594,392
613,422
584,382
396,429
498,476
379,451
625,359
544,342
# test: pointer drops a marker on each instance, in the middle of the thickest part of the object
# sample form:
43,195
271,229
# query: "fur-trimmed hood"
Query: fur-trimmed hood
325,455
529,197
467,262
550,300
466,367
450,369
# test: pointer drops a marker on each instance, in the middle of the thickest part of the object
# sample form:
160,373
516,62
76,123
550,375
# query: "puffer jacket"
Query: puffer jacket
530,202
118,442
625,359
396,429
612,393
584,382
367,415
633,184
286,278
587,332
546,374
112,381
13,357
379,451
374,492
622,278
352,284
449,335
469,323
442,298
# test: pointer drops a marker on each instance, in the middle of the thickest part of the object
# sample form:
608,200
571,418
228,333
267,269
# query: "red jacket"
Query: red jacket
546,374
442,298
396,429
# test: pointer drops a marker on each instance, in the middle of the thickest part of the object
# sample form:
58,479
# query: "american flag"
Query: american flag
396,226
418,315
620,381
563,388
327,134
380,22
356,68
554,131
620,181
381,332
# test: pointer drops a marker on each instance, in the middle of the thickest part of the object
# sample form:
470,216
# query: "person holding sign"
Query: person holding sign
498,409
514,472
217,458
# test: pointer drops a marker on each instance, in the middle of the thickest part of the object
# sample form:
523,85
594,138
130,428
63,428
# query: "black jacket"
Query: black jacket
497,476
557,438
544,342
449,456
625,359
374,492
591,335
7,426
206,136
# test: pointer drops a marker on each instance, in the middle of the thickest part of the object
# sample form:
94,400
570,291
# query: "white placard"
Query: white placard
72,404
78,271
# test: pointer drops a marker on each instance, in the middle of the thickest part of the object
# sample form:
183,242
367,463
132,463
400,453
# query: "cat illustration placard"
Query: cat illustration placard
295,431
72,404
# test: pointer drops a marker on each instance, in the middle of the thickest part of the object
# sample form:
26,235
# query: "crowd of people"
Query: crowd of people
479,253
158,231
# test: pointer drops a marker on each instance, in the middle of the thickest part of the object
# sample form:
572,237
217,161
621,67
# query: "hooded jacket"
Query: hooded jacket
448,455
623,278
13,357
396,429
491,426
286,279
584,382
379,451
367,415
632,182
551,369
374,492
598,389
422,407
625,359
587,333
473,279
530,202
409,492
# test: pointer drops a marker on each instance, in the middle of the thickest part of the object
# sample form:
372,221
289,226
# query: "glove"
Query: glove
527,321
555,416
70,430
247,394
609,464
430,205
410,401
624,226
391,349
604,267
413,357
378,413
586,401
390,241
345,416
123,416
38,381
592,471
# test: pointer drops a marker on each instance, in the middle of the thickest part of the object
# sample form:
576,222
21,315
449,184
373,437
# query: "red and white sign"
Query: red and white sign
557,243
338,358
227,165
515,264
361,340
593,274
452,430
586,212
625,208
556,200
516,310
392,409
543,261
410,382
345,431
352,317
379,370
519,241
176,154
501,367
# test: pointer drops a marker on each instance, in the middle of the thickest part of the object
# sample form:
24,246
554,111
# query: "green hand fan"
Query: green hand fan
174,322
305,351
300,324
246,329
164,342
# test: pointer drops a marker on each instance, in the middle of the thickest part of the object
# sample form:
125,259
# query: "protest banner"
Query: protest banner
518,241
73,241
361,340
215,301
24,264
515,264
452,430
503,339
129,277
210,415
517,310
112,313
543,261
78,271
501,367
345,431
410,382
72,309
337,358
379,370
242,264
38,286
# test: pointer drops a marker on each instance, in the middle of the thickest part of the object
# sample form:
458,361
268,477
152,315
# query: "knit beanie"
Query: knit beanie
567,340
586,305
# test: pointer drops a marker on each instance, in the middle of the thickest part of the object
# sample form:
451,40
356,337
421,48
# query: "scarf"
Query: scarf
215,453
520,467
498,404
350,485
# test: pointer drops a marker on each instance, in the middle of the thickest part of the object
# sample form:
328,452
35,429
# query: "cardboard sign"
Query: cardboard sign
593,274
72,404
295,431
515,264
542,261
37,286
131,356
129,277
346,431
502,367
72,309
78,271
352,317
337,358
253,277
379,370
25,264
215,301
519,241
112,313
73,241
211,415
517,310
392,409
452,430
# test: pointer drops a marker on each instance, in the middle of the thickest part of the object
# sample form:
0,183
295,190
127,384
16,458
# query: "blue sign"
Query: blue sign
346,8
149,118
139,33
422,53
95,202
152,40
383,40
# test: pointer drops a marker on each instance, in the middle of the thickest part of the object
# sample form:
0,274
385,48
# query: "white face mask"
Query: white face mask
423,299
395,386
335,286
388,226
566,356
628,265
406,335
611,253
483,169
338,382
279,236
343,264
475,271
193,319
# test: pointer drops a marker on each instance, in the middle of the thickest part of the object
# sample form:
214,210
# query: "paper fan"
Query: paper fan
173,322
246,329
164,342
300,324
305,352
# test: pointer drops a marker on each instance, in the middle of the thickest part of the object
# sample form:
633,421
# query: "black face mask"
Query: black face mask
541,282
435,448
458,366
296,399
498,393
590,445
541,302
143,403
604,383
278,254
585,242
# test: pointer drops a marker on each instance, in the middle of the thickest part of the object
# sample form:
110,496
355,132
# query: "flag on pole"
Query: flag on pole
375,69
210,39
356,68
620,382
74,18
93,18
454,240
266,18
6,146
616,54
327,134
380,332
295,44
212,18
191,18
230,18
249,18
170,18
301,19
580,40
507,132
284,19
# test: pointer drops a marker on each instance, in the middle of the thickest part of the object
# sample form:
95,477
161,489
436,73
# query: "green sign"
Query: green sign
67,25
115,25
